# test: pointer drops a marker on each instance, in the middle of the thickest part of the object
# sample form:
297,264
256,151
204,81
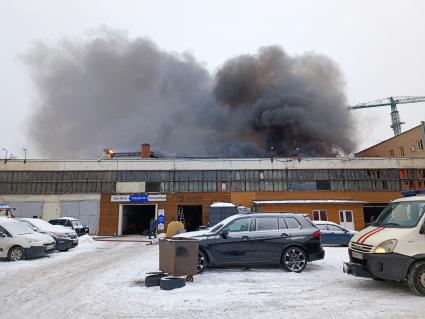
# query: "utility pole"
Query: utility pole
5,156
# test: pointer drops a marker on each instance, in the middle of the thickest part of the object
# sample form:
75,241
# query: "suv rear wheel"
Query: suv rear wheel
202,262
294,259
416,278
16,253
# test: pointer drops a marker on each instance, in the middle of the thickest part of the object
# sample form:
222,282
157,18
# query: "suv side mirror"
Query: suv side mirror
2,235
422,230
224,233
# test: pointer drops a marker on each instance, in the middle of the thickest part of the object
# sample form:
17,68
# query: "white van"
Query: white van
19,241
393,248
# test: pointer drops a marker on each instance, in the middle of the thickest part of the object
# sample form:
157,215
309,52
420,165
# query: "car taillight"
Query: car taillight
316,234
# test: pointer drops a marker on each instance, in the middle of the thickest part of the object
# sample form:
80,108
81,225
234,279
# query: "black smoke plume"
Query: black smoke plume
108,90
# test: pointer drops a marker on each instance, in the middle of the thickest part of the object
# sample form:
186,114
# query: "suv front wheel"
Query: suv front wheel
294,259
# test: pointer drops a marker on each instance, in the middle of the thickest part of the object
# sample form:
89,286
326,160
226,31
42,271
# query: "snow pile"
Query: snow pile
222,204
86,240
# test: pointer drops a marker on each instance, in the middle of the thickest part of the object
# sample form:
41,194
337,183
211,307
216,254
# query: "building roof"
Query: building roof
308,201
213,164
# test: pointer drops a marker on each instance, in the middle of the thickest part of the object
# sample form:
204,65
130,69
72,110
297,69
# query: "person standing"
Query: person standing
152,228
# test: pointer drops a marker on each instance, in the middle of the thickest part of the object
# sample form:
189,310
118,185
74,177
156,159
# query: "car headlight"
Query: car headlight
386,247
32,240
59,235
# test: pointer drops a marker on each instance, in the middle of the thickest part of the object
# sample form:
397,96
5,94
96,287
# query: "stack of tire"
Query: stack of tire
164,281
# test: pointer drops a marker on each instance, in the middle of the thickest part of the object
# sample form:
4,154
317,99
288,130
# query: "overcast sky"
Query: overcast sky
379,45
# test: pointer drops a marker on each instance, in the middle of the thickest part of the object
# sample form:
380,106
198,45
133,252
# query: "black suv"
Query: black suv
72,223
288,239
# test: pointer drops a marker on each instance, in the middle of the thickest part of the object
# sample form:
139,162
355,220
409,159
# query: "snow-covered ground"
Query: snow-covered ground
100,280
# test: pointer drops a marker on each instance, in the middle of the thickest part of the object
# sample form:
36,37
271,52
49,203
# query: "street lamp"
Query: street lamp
25,157
5,157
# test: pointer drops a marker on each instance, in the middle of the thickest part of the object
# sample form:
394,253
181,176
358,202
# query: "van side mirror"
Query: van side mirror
422,230
224,233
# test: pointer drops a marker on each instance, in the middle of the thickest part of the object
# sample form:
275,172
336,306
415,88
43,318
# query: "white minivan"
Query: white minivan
19,241
393,248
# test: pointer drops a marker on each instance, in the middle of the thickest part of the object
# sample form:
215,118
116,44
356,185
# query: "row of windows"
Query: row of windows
18,182
278,186
198,186
417,148
56,188
225,175
345,216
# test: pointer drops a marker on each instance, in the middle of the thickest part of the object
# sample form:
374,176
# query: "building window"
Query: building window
391,153
420,145
323,185
153,187
321,215
401,148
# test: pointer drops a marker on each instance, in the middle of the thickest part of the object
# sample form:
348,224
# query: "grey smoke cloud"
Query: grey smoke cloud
108,90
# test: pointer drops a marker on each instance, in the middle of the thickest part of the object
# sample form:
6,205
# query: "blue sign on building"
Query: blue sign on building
138,198
161,219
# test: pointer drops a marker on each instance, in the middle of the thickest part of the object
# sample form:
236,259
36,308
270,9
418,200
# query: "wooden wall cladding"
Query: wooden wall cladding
108,223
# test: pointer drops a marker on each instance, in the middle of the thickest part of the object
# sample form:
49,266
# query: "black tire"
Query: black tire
202,262
294,259
154,280
416,278
170,283
16,253
156,273
377,279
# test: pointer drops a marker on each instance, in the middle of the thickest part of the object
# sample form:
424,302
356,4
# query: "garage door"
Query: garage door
27,209
86,211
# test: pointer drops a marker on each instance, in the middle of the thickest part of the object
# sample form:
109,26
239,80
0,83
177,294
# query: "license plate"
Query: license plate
51,246
75,240
357,255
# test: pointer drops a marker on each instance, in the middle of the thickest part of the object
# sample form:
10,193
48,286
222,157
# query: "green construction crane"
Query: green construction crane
392,101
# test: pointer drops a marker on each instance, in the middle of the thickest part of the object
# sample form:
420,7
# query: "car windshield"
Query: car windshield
17,228
59,222
41,224
75,223
401,214
216,227
220,225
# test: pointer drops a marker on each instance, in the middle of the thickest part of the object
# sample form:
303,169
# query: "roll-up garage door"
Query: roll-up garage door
29,209
86,211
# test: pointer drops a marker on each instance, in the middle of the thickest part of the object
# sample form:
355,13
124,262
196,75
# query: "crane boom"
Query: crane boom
391,101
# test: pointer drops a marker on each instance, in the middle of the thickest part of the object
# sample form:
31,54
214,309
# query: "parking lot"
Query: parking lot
102,280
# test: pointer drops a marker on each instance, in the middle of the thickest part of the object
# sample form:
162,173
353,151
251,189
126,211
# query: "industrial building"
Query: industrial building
407,144
119,196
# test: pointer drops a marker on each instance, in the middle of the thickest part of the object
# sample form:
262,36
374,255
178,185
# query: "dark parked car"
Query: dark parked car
290,240
64,238
72,223
334,234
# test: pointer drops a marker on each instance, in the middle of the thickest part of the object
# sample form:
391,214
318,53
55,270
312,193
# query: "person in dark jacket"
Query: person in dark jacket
152,228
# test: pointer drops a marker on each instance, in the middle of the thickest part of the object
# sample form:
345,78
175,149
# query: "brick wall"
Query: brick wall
403,145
